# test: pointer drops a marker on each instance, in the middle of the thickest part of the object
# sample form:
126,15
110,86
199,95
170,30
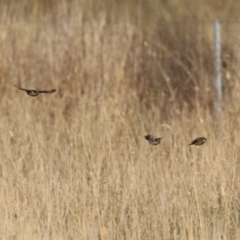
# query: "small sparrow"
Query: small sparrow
34,93
152,140
198,141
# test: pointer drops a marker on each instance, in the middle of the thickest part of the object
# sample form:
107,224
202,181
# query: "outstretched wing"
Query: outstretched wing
22,88
48,91
39,91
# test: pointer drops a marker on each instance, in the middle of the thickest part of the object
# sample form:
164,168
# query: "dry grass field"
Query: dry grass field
74,164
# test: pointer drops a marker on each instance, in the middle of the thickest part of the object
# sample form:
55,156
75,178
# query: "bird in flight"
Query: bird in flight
153,140
34,93
198,141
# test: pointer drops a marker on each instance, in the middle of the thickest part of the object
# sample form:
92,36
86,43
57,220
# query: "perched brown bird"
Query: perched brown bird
34,93
198,141
152,140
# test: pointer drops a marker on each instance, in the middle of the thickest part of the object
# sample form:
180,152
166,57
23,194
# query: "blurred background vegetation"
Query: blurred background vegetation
153,52
75,164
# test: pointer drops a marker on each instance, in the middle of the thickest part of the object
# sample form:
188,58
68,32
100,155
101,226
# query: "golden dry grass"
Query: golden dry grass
75,164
